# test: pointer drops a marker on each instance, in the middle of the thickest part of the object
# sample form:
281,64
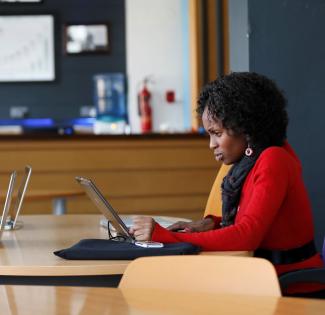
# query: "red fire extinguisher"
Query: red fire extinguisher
145,110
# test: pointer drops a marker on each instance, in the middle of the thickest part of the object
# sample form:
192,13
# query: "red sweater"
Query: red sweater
274,213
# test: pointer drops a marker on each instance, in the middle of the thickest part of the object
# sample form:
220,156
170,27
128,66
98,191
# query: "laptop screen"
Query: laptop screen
21,194
104,207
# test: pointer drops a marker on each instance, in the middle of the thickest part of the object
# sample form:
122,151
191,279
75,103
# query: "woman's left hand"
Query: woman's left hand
142,228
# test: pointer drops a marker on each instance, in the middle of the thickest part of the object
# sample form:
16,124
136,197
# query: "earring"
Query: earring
249,151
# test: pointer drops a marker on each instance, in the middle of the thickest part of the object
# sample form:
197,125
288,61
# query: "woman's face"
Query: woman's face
227,147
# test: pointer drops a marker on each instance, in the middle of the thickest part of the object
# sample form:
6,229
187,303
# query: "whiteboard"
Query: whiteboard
27,48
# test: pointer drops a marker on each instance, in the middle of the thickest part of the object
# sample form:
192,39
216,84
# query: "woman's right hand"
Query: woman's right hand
203,225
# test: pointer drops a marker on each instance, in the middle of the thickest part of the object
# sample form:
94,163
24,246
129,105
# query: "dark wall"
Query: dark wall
287,44
73,85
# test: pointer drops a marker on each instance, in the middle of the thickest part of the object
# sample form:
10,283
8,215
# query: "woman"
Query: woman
265,206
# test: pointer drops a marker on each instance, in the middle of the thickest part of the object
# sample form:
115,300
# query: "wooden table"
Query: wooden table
28,251
31,300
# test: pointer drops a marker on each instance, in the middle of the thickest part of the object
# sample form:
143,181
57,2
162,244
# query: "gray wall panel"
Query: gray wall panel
238,35
287,44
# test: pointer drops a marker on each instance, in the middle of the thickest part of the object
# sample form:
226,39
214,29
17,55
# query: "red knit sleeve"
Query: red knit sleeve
270,184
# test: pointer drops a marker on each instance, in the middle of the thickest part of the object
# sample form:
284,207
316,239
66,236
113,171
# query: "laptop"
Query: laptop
6,208
21,194
105,208
8,220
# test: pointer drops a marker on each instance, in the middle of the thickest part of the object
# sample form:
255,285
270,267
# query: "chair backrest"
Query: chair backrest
214,203
310,275
213,274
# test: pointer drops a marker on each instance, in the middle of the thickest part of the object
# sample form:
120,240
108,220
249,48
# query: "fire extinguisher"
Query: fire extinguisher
145,110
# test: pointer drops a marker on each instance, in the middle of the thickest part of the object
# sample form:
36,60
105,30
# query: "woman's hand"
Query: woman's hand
205,224
142,228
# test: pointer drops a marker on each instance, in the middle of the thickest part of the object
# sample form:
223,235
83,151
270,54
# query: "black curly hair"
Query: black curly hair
247,103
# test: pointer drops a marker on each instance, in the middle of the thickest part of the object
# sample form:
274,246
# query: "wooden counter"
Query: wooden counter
149,174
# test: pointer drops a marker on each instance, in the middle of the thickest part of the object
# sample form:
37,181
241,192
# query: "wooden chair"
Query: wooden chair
213,274
214,203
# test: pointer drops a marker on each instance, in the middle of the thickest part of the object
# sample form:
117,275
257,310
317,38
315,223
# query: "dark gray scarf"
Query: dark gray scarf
232,185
